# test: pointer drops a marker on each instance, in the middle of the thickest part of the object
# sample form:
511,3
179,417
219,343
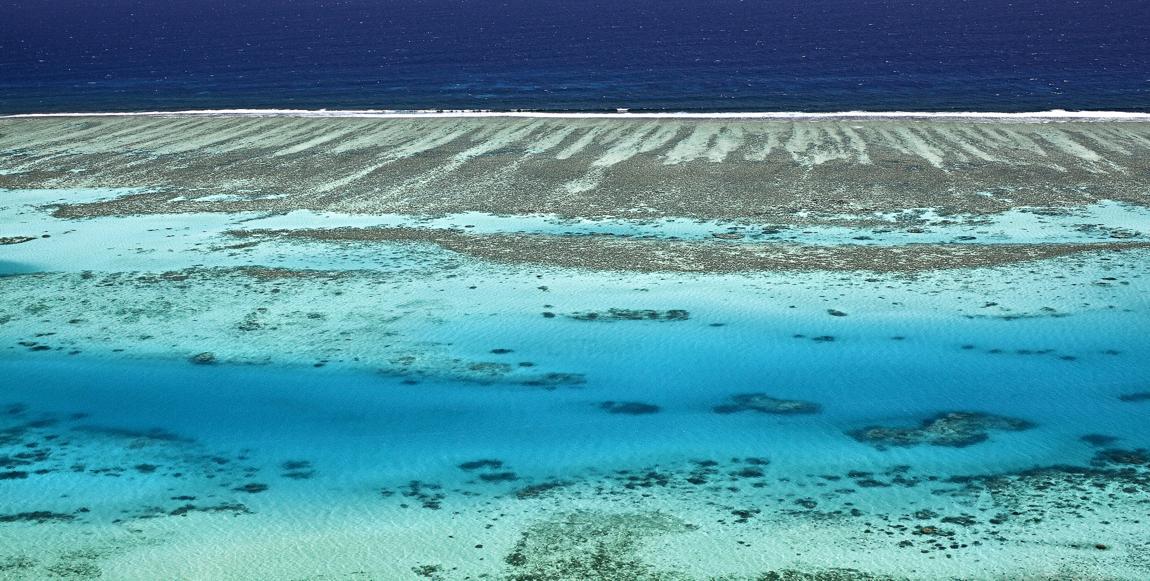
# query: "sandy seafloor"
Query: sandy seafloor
183,401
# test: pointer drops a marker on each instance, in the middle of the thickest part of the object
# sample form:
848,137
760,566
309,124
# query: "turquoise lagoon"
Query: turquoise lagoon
409,412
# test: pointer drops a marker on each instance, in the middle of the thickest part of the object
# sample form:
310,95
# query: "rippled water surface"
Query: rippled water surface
777,55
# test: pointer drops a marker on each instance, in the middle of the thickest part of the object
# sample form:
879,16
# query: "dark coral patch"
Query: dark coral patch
1098,440
429,495
38,516
499,477
630,408
233,508
631,315
552,380
484,464
297,469
6,240
763,403
1120,456
205,358
539,490
952,429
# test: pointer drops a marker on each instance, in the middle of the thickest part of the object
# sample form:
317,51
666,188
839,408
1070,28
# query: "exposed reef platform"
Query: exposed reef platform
786,171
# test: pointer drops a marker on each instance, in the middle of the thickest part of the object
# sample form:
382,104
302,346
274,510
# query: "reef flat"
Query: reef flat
567,349
615,253
781,171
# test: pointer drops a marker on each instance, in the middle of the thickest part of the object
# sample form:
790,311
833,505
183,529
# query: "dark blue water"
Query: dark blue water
782,55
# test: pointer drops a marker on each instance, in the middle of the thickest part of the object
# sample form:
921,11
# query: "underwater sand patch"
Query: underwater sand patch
831,574
951,429
619,253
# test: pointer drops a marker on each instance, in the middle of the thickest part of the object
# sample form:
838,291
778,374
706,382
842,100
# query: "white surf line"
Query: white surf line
1052,115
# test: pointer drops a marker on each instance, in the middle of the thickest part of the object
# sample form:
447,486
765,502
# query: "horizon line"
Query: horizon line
620,113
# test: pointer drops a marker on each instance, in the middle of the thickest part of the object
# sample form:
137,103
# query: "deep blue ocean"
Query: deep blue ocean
772,55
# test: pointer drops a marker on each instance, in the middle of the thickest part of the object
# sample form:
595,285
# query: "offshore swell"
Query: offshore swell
671,55
402,347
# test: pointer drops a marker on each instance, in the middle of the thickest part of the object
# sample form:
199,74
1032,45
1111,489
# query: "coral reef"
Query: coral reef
763,403
629,408
951,429
631,315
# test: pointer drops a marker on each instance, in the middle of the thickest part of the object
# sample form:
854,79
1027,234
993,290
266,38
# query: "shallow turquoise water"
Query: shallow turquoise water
336,446
882,367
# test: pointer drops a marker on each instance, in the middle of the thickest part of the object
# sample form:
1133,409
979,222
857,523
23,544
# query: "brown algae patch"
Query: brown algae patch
605,252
